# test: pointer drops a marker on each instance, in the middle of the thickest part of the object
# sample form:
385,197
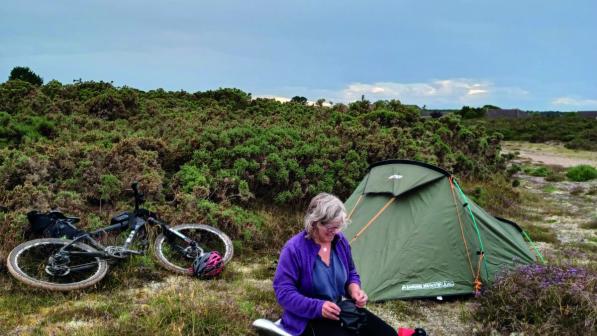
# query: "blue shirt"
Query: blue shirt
329,281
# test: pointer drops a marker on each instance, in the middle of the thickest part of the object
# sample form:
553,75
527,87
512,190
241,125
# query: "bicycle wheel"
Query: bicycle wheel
176,255
30,263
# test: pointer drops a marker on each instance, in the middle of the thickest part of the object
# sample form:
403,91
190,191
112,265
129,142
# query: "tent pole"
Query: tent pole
475,225
525,234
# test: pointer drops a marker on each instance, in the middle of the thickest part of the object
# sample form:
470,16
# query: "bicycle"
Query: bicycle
62,264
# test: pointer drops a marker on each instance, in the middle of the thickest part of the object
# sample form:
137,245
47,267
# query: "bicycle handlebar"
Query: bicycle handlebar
138,195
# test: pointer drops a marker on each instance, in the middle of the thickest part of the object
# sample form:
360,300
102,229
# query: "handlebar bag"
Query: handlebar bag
351,317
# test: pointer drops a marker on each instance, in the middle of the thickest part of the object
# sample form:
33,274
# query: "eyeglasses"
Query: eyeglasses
330,228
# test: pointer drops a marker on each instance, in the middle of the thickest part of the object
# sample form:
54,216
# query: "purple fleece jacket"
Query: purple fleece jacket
293,281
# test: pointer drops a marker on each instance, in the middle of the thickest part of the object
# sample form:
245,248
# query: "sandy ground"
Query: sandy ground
551,154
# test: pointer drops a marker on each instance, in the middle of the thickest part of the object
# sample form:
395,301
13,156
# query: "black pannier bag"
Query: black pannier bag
121,218
52,224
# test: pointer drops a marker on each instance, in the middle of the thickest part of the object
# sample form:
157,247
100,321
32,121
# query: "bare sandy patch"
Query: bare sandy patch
550,153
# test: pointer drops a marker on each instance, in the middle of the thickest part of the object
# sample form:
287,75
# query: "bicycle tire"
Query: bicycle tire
26,263
208,237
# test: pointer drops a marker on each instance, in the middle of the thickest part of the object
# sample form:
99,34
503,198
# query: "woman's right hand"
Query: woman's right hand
330,311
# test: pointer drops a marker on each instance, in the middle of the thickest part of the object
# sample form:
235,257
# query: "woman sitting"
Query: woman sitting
316,270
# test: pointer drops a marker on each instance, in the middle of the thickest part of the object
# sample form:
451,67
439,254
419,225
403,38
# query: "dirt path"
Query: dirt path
550,154
554,159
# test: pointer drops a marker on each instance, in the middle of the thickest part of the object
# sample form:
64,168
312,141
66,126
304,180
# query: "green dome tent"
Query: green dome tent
415,234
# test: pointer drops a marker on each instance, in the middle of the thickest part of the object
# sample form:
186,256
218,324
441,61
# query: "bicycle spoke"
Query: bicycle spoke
35,261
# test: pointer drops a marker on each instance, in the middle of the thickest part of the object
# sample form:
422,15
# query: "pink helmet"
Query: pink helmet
208,265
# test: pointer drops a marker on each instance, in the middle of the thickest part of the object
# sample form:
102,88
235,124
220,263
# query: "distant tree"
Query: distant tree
25,74
467,112
395,105
299,100
320,102
436,114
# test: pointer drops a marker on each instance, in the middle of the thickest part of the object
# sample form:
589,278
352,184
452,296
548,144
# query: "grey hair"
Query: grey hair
324,208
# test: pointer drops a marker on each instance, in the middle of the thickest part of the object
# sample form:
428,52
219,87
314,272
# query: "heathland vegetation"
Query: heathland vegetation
247,166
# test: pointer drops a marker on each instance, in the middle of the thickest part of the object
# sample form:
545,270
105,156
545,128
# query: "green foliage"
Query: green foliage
110,187
14,95
192,178
107,106
581,173
299,100
17,129
541,233
540,171
231,98
467,112
25,74
237,222
574,131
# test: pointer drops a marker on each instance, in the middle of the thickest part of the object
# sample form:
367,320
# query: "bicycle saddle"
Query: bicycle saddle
268,328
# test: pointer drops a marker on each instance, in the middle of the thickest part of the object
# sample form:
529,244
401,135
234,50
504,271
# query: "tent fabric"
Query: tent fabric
417,246
394,180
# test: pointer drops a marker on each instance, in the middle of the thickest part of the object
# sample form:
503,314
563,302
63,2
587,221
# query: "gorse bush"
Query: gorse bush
581,173
90,140
541,300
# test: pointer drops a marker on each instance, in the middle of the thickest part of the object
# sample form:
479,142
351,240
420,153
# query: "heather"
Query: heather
541,300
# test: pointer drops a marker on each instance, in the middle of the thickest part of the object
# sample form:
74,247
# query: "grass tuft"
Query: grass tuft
591,225
582,173
541,233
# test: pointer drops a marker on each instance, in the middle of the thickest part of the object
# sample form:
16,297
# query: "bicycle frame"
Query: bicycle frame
82,260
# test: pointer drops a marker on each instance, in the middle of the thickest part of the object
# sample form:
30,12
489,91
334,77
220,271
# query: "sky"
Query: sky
527,54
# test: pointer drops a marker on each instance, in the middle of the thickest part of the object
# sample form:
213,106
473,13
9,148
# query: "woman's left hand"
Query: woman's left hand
358,295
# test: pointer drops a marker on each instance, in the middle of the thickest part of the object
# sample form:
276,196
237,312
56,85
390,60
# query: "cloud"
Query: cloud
575,102
445,92
278,98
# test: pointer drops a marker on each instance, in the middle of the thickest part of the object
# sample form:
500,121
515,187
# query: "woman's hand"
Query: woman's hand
330,311
358,295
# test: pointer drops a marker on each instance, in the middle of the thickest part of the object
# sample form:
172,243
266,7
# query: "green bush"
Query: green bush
581,173
106,106
14,95
574,131
538,171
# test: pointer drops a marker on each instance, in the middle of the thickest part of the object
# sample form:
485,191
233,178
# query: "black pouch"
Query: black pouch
62,228
351,317
51,224
38,222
